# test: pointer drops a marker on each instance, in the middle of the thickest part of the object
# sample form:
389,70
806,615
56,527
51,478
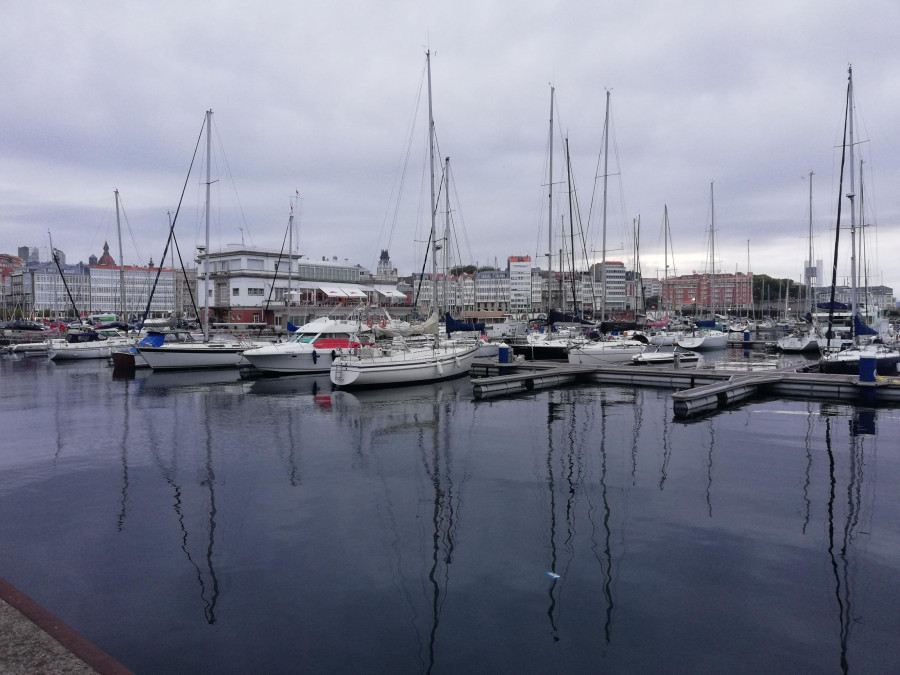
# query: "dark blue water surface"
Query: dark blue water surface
200,522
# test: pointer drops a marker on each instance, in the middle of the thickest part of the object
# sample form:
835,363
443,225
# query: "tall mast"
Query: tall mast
605,179
206,252
665,249
712,248
122,308
431,170
290,261
864,264
571,230
809,302
851,195
550,214
446,244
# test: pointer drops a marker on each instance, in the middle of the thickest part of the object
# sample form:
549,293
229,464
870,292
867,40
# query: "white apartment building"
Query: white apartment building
38,290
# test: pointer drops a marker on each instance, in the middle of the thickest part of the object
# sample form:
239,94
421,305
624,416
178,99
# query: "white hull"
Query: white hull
798,343
30,348
368,367
289,357
621,351
301,354
665,354
713,339
665,339
72,352
200,355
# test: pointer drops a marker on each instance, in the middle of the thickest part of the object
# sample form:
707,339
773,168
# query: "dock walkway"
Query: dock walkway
698,390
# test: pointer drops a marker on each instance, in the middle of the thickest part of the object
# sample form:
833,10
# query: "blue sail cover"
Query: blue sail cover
152,340
859,328
454,326
706,323
291,327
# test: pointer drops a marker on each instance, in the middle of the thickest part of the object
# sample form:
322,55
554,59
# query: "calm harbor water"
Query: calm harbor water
200,522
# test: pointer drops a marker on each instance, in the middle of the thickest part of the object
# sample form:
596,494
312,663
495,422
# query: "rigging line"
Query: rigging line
130,232
462,220
63,276
188,286
404,163
171,236
237,197
837,228
277,267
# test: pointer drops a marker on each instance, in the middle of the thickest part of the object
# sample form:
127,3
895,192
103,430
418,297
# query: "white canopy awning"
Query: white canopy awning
353,293
391,293
333,291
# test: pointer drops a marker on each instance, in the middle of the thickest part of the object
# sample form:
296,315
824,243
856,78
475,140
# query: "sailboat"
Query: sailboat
181,351
660,333
403,361
708,338
806,339
849,360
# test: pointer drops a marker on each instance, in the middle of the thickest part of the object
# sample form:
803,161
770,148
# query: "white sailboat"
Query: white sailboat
848,361
606,351
189,353
707,338
402,360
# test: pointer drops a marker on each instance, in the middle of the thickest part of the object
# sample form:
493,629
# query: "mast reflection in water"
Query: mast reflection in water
208,523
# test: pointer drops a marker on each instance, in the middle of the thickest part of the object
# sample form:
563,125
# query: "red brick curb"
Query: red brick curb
67,636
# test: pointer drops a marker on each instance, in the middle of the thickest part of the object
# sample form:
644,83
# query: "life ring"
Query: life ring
369,322
382,323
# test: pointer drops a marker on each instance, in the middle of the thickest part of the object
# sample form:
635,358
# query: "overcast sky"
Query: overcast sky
319,97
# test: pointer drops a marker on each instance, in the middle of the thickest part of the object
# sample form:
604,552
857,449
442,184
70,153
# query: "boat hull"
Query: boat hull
701,341
797,344
205,355
76,352
356,368
846,363
606,352
291,358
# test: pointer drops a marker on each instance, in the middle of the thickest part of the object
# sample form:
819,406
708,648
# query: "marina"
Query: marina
219,521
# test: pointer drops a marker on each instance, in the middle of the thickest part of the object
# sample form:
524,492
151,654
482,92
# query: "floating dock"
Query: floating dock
698,390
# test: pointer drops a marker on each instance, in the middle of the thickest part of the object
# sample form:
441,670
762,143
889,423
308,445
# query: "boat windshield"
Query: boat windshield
308,337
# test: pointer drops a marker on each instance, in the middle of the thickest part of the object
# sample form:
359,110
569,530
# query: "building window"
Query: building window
235,292
255,291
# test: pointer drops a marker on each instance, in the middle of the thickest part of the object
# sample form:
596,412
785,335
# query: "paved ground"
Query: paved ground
34,642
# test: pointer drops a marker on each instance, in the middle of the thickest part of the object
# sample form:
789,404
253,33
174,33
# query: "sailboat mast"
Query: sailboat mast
605,180
122,308
571,230
864,263
809,301
550,214
206,251
712,252
851,195
431,170
665,252
446,245
290,263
